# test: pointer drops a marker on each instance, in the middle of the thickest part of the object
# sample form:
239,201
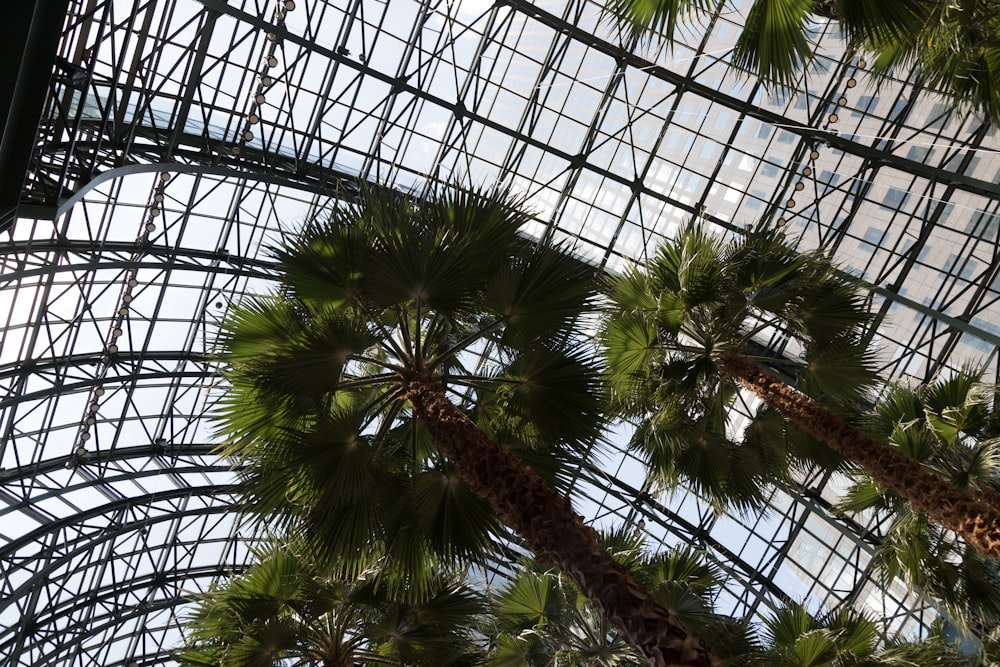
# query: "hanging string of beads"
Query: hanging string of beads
831,120
265,78
119,323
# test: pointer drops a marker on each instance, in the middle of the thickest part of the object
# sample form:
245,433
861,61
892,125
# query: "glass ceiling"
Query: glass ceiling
178,136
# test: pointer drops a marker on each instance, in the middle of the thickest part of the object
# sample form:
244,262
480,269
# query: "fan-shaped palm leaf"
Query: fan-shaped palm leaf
774,42
541,619
953,47
665,337
843,637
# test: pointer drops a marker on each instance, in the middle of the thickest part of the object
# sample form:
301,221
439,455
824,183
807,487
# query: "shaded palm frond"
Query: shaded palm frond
670,325
539,292
552,396
839,371
773,43
652,20
863,20
282,611
952,47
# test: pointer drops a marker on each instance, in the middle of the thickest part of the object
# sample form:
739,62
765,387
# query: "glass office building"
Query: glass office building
165,142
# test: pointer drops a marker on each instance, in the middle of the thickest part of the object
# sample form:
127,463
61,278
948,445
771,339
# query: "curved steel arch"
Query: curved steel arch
257,268
176,469
111,456
113,590
109,622
38,534
93,359
24,596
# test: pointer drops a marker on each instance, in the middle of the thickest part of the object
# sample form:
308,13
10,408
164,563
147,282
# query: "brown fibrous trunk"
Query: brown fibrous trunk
963,511
556,534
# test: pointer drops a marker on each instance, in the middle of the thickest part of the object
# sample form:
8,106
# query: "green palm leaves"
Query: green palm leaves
284,611
953,47
951,426
843,638
539,618
697,351
670,326
375,294
774,42
418,377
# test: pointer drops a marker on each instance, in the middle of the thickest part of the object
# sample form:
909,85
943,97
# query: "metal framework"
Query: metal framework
175,137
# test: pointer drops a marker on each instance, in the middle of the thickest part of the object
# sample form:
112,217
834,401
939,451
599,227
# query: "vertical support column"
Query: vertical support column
29,37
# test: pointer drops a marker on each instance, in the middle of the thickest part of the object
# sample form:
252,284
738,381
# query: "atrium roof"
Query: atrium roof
178,136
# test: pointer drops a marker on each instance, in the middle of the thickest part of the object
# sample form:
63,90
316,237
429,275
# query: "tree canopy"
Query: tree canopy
951,47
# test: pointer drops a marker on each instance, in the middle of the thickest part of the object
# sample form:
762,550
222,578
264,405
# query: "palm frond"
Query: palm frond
767,435
288,353
839,370
626,545
829,306
281,611
687,567
765,268
774,43
932,651
690,268
788,624
951,47
899,406
518,651
538,292
864,494
530,600
845,636
323,266
856,632
551,397
456,522
631,350
983,467
725,473
880,21
651,20
957,405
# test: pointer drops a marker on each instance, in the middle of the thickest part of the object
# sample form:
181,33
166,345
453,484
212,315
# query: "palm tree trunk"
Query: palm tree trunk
545,519
958,510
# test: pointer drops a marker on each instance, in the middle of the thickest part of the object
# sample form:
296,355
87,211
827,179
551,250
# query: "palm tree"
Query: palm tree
843,637
950,425
954,47
541,619
411,348
679,341
283,611
956,50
